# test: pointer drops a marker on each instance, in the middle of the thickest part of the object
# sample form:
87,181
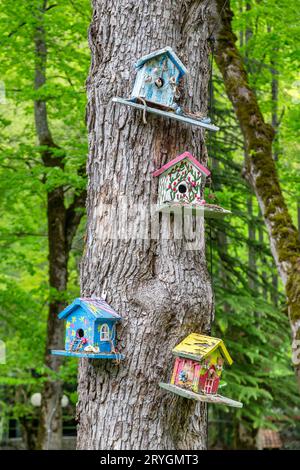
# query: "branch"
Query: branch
14,31
40,106
51,6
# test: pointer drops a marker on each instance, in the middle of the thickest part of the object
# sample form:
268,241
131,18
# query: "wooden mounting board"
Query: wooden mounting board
200,210
168,114
215,399
87,355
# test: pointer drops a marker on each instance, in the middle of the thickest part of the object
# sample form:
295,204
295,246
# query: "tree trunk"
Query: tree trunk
274,96
62,225
252,268
261,171
162,290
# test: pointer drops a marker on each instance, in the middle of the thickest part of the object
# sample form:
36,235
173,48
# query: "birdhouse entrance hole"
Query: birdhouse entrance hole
182,188
159,82
80,333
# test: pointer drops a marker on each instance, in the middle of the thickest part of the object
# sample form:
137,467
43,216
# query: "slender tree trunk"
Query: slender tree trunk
274,291
162,289
252,265
274,97
252,268
275,119
261,171
264,275
276,145
62,225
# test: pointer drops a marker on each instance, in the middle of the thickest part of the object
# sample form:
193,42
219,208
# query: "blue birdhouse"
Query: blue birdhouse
90,330
158,76
157,89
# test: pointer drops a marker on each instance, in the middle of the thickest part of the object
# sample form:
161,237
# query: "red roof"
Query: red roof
178,159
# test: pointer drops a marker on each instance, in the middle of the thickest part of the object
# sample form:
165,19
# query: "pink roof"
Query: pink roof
178,159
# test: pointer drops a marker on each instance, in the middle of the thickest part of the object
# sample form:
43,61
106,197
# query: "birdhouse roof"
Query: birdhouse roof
197,347
179,158
166,50
98,308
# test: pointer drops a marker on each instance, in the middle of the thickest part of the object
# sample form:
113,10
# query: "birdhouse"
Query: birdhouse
181,184
157,88
90,330
198,369
268,439
158,77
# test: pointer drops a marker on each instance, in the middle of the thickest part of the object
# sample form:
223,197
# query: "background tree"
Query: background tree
261,171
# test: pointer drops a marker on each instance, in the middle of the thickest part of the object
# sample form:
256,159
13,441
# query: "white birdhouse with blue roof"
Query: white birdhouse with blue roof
90,330
158,77
157,89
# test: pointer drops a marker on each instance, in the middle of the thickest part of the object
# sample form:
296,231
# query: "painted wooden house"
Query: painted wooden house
157,88
90,329
198,369
182,180
158,77
181,184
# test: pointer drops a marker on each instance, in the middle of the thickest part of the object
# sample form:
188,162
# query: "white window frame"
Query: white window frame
104,332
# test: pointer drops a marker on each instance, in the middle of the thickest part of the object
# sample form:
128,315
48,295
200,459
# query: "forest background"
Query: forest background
251,312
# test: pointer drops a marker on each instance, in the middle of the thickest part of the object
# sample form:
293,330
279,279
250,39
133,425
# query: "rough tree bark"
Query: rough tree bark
62,225
162,290
261,171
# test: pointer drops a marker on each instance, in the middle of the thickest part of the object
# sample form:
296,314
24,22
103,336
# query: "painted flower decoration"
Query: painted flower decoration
183,376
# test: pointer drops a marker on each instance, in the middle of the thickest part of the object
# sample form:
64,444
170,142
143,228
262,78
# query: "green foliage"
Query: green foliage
250,305
24,182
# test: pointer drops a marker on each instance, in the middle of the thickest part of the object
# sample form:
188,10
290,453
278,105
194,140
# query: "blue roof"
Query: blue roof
98,308
171,54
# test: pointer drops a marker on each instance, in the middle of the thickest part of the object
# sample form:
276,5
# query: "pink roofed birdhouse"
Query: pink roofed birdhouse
157,88
181,184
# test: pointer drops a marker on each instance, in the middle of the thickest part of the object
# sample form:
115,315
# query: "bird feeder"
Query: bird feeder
198,369
157,88
181,185
90,330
